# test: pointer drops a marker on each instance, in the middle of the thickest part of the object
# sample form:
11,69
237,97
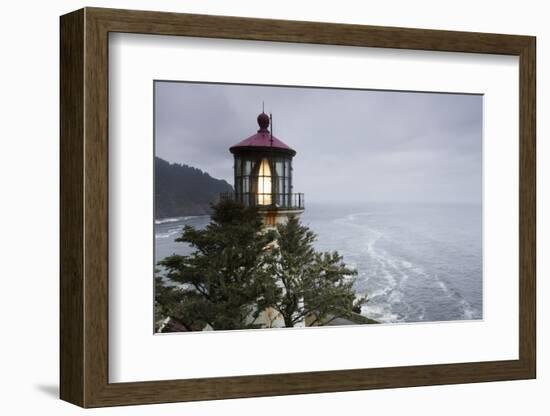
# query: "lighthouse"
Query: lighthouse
263,175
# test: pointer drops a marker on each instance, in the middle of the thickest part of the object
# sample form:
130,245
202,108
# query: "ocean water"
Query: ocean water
415,262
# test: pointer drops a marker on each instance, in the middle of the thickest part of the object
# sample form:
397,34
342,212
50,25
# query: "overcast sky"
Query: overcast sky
352,145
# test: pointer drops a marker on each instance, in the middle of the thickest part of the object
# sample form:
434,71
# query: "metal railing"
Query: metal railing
288,201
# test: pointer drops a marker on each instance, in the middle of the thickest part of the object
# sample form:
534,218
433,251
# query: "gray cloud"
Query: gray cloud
352,145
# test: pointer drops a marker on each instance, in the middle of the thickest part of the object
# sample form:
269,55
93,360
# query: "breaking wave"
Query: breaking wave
169,220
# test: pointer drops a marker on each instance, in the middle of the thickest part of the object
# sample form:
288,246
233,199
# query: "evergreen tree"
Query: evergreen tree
312,286
223,282
162,301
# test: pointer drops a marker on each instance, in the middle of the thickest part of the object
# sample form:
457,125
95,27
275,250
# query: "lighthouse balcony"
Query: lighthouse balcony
283,201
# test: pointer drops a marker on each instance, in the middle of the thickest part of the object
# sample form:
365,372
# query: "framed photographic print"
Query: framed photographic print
256,207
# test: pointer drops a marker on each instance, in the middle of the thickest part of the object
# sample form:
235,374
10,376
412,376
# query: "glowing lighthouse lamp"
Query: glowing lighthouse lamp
263,175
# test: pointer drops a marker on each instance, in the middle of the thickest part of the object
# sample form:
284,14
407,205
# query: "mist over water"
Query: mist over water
416,262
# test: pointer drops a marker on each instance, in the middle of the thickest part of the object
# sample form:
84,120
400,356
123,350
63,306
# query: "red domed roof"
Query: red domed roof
262,139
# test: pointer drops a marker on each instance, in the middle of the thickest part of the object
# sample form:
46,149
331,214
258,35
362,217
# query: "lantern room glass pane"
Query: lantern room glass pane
264,183
238,164
279,168
247,167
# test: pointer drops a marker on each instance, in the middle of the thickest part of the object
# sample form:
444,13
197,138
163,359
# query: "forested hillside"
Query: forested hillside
182,190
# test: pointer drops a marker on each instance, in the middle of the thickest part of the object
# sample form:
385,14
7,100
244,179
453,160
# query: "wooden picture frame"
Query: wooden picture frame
84,207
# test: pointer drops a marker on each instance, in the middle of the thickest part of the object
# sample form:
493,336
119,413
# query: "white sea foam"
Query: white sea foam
468,311
443,287
379,313
396,296
168,220
168,234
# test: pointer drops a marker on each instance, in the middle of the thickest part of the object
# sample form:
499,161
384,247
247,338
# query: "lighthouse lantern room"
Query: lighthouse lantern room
263,175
